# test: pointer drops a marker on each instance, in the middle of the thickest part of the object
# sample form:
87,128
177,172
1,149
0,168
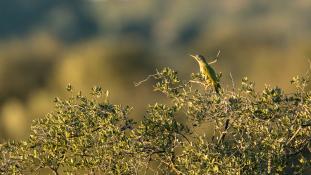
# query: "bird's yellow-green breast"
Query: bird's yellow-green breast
207,71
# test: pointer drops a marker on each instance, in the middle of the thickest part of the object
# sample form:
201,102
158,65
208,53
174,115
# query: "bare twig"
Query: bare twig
144,80
218,53
223,134
198,82
185,137
232,81
294,135
215,61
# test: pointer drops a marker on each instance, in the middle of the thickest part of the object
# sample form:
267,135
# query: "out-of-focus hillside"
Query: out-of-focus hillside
44,45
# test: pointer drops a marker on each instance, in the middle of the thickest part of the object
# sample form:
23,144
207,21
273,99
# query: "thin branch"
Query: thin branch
144,80
218,53
215,61
295,134
223,134
184,137
232,81
198,82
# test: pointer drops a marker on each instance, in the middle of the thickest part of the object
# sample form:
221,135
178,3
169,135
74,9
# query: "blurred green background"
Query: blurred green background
44,45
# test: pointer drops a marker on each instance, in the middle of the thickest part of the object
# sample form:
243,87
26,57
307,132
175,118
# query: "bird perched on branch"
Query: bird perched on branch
208,72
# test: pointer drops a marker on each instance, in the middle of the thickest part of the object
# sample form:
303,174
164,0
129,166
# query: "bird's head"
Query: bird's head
199,58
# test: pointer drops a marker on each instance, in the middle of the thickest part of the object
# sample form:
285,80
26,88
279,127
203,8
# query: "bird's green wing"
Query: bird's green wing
211,74
213,77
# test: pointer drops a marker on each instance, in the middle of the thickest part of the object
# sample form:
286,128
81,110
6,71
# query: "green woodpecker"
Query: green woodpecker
208,72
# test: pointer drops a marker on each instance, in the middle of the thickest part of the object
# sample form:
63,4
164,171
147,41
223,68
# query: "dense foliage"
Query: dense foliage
266,132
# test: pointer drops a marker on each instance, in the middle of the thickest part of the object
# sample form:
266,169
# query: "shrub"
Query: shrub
264,132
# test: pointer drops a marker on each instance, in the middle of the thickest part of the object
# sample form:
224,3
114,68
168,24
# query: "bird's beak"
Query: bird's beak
193,56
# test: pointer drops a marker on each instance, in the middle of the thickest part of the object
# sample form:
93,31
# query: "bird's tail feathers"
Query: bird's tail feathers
217,88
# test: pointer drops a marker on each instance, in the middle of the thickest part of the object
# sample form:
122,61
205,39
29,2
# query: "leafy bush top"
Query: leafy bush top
264,132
